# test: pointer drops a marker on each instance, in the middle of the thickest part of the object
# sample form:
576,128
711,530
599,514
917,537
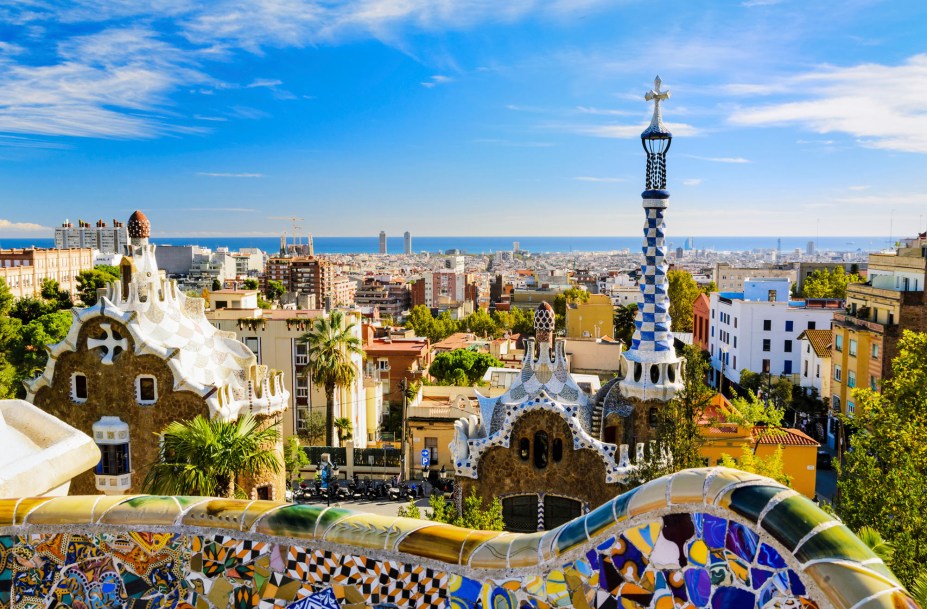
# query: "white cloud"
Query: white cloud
860,187
595,179
264,82
881,106
721,159
437,79
222,174
22,226
625,131
603,111
692,182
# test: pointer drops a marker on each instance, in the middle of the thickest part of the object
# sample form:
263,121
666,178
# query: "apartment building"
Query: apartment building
105,239
391,297
731,279
23,270
311,275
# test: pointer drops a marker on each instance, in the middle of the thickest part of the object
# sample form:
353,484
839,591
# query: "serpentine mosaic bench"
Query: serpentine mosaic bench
699,538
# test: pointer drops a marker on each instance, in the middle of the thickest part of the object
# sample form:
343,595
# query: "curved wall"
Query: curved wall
699,538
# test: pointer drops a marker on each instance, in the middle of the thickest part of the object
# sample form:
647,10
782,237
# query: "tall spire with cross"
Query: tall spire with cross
654,370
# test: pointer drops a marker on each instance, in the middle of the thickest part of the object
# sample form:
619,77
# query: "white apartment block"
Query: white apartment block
758,329
106,239
731,279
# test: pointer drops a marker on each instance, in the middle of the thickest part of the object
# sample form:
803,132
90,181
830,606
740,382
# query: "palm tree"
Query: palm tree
345,428
330,343
205,457
624,322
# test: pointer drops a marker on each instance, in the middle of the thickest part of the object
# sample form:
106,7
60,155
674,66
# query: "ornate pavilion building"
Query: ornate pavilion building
548,450
143,356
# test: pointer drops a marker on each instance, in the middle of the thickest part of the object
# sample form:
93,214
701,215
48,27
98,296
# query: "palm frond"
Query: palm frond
918,589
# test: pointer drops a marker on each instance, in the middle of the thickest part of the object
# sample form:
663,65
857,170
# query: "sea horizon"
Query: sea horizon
534,244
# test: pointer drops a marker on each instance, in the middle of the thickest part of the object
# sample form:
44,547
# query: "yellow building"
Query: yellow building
591,319
799,451
865,337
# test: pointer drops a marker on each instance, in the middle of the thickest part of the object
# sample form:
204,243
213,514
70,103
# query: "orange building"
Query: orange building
701,314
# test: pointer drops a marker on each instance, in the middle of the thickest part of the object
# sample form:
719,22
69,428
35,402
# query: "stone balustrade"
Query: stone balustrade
699,538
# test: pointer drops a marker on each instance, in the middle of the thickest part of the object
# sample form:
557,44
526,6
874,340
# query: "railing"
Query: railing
852,320
338,454
376,457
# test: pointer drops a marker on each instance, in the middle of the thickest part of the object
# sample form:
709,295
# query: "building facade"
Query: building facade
701,321
758,329
311,275
407,243
731,279
142,357
23,270
594,318
100,237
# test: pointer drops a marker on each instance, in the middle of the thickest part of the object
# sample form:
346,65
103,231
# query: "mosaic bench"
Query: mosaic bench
699,538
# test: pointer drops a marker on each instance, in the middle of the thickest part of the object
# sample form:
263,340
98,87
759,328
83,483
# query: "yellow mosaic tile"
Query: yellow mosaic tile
142,511
362,530
846,585
523,550
440,542
219,513
7,508
687,486
27,505
492,554
402,527
65,510
724,478
650,497
254,511
473,541
104,503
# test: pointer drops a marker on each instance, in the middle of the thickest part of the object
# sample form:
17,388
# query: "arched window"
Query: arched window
654,374
557,450
524,448
652,417
540,449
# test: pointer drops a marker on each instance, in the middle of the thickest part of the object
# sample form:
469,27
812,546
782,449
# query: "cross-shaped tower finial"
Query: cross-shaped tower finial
655,94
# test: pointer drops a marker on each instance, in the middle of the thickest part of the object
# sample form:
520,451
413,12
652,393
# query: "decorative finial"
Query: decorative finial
656,128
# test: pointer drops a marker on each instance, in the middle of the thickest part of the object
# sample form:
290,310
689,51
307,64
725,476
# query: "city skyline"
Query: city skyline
789,119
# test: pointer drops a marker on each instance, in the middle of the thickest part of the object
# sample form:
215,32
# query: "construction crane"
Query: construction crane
296,227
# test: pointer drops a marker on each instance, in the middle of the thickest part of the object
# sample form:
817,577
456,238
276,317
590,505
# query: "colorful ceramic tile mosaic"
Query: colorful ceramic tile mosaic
698,539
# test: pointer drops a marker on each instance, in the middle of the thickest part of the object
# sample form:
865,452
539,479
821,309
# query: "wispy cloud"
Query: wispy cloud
720,159
263,82
624,131
604,111
881,106
22,226
860,187
437,79
692,182
222,174
597,179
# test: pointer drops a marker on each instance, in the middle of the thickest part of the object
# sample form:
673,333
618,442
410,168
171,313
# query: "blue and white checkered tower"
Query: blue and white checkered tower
653,370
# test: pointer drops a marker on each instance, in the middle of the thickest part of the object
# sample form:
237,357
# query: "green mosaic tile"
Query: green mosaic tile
835,542
846,585
328,518
792,519
749,501
293,520
723,478
363,530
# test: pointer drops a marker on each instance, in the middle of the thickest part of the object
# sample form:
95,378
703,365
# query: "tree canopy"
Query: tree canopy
434,328
624,322
461,367
206,456
561,301
89,281
883,481
828,284
682,292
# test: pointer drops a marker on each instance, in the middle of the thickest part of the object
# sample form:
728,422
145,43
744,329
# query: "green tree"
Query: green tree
624,322
771,466
345,429
409,511
216,285
435,329
330,343
9,332
828,284
275,290
750,410
873,539
27,349
89,281
28,309
53,294
476,514
775,389
883,480
250,284
682,292
206,457
481,323
294,458
710,287
313,432
461,367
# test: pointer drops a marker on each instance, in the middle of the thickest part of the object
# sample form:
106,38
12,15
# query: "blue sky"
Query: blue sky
462,117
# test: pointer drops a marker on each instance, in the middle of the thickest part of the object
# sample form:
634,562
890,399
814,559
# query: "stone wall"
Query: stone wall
580,474
700,538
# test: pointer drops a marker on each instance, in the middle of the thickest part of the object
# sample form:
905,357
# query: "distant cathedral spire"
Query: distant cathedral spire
654,369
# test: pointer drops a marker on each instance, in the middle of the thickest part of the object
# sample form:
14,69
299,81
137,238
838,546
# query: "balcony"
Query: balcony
852,321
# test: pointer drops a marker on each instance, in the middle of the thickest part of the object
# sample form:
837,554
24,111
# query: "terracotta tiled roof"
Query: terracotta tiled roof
782,435
820,341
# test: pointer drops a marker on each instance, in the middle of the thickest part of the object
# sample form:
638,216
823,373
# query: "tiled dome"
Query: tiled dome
139,226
